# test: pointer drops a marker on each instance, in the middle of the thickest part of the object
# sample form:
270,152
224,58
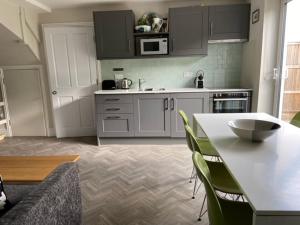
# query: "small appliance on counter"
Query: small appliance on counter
108,85
199,80
126,83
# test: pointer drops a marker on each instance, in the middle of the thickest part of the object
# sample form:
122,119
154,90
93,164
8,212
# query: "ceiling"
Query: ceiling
53,4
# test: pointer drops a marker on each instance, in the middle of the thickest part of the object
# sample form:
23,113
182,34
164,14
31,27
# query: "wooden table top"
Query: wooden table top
22,169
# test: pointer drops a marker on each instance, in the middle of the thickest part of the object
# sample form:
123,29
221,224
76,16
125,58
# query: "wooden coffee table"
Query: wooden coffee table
20,169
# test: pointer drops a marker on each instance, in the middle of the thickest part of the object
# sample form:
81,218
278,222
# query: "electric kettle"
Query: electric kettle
126,83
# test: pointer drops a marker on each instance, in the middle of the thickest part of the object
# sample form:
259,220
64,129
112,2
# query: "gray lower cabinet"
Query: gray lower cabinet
114,115
190,103
229,22
152,115
115,125
147,115
188,30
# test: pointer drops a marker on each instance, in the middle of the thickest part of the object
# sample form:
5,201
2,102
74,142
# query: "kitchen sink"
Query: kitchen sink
154,89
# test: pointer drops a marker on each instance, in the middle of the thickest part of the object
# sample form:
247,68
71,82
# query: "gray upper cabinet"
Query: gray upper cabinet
229,22
152,115
190,103
188,30
114,34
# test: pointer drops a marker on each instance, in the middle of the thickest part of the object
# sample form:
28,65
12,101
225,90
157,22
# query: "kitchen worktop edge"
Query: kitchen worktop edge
168,91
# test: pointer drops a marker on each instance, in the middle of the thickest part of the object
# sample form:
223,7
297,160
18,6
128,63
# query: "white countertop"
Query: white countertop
267,172
175,90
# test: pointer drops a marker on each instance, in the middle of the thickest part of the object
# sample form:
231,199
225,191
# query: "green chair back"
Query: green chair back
215,214
191,136
296,120
184,117
185,120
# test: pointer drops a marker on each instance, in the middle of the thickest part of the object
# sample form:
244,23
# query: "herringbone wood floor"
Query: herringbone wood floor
125,184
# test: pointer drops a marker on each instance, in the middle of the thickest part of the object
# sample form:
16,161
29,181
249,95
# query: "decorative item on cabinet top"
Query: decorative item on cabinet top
151,22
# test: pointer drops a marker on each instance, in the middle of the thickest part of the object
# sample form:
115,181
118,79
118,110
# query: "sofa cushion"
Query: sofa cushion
5,205
55,201
16,192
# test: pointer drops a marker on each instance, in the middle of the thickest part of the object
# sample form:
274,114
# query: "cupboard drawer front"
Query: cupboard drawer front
114,108
108,99
115,125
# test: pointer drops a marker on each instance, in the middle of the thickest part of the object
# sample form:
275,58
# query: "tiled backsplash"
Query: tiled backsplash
222,67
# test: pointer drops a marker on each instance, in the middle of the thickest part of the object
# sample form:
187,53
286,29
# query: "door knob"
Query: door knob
54,92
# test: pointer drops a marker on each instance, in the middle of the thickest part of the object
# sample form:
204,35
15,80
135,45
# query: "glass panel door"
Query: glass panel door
287,95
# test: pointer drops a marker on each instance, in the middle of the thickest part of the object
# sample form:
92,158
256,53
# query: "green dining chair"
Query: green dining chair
205,145
223,181
208,149
296,120
220,211
221,178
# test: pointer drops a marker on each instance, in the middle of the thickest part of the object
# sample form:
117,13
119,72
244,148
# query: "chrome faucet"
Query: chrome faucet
141,81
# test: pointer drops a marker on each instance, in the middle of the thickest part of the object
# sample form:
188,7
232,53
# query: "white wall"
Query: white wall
252,54
269,56
30,25
10,17
260,55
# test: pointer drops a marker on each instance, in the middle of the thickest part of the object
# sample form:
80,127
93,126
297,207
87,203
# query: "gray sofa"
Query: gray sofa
55,201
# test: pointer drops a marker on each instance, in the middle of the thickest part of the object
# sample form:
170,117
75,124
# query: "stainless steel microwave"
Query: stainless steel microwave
154,46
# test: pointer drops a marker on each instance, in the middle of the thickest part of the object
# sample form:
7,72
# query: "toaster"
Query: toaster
108,85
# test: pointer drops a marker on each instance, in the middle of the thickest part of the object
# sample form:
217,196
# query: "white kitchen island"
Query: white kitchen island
267,172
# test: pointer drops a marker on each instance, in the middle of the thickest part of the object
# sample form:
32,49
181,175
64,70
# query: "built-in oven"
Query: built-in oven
230,102
152,46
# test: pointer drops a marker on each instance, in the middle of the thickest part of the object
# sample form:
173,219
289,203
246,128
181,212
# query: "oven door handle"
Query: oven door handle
230,99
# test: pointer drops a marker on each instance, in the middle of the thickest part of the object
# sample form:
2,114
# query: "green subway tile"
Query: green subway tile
222,66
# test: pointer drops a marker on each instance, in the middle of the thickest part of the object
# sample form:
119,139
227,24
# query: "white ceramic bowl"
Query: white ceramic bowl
253,130
145,28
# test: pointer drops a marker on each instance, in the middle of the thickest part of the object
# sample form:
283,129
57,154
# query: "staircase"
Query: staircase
19,39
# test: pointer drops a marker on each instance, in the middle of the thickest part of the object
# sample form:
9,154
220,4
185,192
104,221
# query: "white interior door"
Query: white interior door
71,58
25,102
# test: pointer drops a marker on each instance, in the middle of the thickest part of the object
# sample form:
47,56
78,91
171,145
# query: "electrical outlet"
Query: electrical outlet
119,76
188,74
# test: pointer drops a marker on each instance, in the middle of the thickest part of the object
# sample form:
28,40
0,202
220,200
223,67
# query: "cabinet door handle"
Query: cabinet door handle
172,104
129,44
113,117
112,99
211,29
166,104
112,109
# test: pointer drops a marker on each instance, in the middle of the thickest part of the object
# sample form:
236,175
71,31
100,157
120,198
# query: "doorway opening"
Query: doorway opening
289,97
